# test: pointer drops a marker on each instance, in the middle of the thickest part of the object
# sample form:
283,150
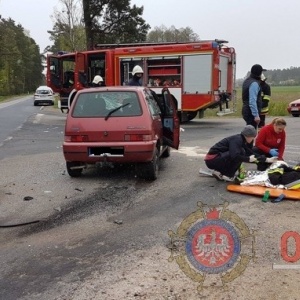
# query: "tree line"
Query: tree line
278,77
20,60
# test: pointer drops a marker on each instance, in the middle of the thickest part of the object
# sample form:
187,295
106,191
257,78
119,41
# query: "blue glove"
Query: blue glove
273,152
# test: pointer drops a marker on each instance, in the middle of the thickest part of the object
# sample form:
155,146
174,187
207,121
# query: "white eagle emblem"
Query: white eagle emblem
213,251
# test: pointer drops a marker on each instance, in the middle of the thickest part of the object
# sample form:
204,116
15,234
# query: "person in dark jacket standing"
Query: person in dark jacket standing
251,96
137,74
226,156
266,97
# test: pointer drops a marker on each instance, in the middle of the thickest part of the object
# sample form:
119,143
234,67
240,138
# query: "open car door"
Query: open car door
170,120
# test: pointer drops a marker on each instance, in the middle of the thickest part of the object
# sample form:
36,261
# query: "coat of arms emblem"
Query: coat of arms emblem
209,241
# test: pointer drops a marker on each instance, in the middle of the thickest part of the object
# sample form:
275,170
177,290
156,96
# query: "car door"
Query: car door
170,120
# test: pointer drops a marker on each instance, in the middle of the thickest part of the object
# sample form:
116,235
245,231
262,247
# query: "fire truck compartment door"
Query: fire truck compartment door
171,126
197,73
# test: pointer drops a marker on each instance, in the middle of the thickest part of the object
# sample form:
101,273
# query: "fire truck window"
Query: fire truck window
68,79
126,66
96,67
83,79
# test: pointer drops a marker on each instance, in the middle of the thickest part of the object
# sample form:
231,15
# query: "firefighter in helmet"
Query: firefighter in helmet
265,96
137,74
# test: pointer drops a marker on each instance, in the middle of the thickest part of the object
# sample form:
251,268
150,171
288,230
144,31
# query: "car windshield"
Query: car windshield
107,104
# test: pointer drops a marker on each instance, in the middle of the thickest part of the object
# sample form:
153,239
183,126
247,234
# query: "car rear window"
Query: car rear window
107,103
43,92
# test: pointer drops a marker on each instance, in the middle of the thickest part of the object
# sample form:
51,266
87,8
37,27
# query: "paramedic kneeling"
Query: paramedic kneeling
270,141
226,156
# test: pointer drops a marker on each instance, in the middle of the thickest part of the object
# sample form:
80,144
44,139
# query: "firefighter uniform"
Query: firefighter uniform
266,96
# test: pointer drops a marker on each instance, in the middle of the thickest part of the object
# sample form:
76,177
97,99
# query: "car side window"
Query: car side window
152,104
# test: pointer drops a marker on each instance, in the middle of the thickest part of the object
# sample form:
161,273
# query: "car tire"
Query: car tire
73,172
35,103
295,115
149,171
167,152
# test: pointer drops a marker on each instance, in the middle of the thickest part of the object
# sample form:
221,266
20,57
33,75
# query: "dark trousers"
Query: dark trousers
262,121
224,164
248,117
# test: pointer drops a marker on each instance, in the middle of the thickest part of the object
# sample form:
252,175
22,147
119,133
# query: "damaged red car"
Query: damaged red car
120,125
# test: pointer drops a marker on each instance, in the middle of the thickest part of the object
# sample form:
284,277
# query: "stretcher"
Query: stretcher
257,190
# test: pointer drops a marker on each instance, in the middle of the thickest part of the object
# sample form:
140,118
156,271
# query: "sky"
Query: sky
262,32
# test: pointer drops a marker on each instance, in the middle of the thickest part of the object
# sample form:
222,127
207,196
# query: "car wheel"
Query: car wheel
167,152
73,172
149,171
35,103
295,115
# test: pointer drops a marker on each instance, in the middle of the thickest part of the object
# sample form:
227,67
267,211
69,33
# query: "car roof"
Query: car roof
120,88
44,87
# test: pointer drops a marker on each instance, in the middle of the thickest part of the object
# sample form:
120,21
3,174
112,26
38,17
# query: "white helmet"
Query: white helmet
97,79
137,69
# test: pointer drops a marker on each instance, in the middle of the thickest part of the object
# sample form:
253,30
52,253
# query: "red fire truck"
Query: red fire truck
200,75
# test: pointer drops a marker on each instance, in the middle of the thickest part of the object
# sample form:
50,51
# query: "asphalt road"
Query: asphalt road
86,225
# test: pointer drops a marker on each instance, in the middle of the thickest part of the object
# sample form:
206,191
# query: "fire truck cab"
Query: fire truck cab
200,75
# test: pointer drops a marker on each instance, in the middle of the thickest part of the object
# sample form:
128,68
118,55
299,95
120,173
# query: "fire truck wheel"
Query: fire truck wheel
186,116
191,115
72,170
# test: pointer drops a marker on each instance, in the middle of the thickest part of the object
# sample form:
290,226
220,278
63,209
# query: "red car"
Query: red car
120,125
294,108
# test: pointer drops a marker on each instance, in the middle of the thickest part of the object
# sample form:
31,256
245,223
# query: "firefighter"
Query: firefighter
266,96
251,95
137,74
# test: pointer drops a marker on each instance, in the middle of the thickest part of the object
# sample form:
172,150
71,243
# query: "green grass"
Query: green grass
8,98
281,96
5,98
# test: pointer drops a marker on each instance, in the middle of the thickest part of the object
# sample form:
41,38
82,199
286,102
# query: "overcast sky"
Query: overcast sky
261,31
